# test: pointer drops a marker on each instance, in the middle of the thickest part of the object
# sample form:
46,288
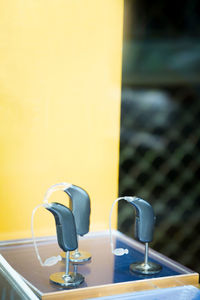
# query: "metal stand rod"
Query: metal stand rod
75,268
67,263
146,253
76,253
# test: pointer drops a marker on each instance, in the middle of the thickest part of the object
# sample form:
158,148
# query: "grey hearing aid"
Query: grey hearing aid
144,228
67,240
80,208
65,226
144,219
80,205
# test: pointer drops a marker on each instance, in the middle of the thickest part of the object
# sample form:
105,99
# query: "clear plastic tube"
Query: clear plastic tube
56,187
118,251
51,260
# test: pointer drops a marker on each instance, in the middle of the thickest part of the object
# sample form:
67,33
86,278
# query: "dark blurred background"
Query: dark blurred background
160,123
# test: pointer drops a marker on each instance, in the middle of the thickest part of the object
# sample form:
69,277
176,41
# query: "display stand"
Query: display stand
104,275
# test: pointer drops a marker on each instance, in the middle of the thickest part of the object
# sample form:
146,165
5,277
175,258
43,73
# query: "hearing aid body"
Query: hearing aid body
80,207
65,226
144,219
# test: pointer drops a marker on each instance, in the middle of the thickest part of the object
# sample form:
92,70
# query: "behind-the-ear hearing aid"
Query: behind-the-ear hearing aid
117,251
144,219
144,228
67,240
51,260
80,205
65,226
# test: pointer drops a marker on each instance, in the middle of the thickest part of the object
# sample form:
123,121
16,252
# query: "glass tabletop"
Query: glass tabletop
104,268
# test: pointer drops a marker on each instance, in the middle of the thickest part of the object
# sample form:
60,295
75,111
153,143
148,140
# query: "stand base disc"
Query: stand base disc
78,257
145,269
73,280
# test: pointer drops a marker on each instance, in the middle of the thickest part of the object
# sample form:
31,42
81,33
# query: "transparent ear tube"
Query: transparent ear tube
51,260
56,187
117,251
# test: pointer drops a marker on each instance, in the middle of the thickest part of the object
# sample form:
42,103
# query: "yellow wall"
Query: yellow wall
60,77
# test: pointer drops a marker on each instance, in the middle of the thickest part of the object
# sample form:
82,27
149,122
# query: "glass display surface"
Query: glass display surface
103,269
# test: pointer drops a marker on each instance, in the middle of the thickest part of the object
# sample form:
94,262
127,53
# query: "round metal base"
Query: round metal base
78,257
68,281
145,269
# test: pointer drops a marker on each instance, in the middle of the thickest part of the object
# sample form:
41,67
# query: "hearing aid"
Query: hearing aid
67,240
